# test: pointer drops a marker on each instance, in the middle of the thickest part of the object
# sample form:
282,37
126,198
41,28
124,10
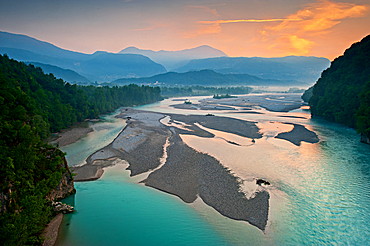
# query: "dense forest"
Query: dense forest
342,94
34,104
58,105
29,169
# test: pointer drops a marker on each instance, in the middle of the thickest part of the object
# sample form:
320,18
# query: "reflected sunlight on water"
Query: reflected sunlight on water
319,192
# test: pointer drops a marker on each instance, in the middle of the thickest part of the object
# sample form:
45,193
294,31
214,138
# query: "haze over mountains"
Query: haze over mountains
176,59
204,78
67,74
100,66
132,62
300,68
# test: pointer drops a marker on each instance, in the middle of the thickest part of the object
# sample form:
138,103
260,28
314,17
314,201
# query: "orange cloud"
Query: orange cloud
313,20
296,34
292,45
241,21
208,29
321,16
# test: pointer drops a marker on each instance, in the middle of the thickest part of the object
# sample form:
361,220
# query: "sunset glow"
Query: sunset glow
239,28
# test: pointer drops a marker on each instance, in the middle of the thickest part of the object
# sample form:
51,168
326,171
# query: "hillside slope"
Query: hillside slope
342,94
205,78
67,75
305,69
100,66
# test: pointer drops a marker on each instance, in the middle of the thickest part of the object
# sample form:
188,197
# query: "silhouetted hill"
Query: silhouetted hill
305,69
204,78
110,66
176,59
29,56
342,94
23,42
60,73
100,66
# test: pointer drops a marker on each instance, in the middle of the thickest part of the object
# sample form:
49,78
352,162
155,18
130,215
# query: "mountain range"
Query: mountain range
67,74
175,59
132,62
100,66
300,68
203,78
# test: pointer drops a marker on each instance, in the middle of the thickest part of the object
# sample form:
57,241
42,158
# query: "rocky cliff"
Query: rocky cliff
65,186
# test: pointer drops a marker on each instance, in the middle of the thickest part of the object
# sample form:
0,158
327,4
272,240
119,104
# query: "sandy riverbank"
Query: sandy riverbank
299,134
51,231
187,173
69,136
278,102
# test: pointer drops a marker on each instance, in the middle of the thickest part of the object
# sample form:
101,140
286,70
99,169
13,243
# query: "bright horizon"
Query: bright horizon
239,28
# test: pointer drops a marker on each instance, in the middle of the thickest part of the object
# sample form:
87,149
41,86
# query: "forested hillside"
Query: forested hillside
58,105
33,104
206,78
342,94
29,169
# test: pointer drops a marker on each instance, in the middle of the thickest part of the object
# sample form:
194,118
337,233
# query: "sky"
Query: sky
240,28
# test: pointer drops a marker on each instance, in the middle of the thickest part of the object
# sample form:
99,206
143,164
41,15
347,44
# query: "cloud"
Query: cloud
208,29
291,44
211,27
321,16
295,34
243,20
313,20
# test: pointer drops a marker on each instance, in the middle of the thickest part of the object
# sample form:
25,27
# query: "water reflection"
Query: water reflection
319,192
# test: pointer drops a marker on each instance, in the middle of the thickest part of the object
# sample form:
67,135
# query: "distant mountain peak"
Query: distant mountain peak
100,52
130,48
201,47
175,59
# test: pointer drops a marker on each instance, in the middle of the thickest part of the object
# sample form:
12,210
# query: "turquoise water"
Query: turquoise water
329,202
320,196
104,133
112,211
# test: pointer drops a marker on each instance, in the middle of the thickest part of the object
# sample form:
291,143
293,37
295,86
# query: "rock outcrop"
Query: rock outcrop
62,207
365,139
65,186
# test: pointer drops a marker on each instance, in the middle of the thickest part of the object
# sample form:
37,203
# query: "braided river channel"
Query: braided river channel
319,193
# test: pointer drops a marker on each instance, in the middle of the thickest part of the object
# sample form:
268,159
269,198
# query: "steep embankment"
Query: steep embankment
342,94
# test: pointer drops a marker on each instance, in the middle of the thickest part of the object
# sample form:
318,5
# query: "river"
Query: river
319,192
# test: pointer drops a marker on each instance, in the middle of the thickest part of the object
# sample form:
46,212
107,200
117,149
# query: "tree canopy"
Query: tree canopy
342,94
58,105
33,104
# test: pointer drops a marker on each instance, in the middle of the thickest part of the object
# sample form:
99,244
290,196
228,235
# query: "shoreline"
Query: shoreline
271,102
141,142
71,135
299,134
52,230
